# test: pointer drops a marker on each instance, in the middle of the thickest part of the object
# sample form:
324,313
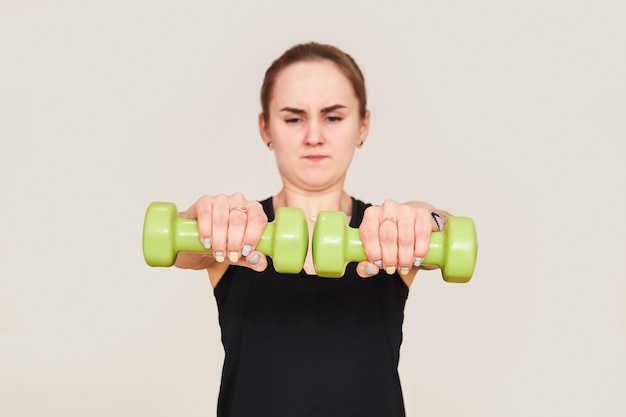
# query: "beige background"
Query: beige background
512,113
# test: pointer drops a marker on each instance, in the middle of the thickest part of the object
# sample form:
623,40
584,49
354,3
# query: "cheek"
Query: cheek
348,147
284,134
350,135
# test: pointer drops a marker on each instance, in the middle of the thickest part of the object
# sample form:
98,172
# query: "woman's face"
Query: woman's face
313,125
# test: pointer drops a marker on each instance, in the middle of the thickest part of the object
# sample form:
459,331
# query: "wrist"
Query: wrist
439,221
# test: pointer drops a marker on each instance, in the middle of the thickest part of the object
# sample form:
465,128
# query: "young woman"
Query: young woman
301,345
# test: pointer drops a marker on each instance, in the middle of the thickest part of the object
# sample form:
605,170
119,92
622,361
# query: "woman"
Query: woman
301,345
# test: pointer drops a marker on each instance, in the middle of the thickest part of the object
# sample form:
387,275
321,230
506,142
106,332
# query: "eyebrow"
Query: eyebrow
325,110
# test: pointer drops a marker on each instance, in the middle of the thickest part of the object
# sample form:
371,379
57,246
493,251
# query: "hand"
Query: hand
231,227
395,237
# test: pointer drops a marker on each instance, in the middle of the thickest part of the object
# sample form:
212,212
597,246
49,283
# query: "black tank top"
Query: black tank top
304,346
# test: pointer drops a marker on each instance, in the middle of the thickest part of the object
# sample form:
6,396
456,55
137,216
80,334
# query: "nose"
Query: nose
314,135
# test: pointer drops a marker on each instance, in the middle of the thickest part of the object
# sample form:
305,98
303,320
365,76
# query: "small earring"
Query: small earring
359,145
269,145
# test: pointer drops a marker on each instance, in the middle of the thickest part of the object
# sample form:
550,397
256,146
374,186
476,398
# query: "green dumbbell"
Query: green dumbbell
165,234
334,244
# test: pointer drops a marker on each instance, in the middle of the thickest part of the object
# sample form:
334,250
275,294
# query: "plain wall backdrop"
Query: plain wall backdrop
510,112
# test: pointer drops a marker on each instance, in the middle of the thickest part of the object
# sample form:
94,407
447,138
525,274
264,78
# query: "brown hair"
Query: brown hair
313,51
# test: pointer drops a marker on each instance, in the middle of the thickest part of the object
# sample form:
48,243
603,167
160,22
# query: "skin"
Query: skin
314,128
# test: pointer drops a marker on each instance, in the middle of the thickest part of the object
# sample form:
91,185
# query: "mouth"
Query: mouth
315,158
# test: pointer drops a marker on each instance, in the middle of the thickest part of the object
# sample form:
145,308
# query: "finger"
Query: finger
423,229
220,222
388,232
236,228
237,220
255,226
255,261
368,231
406,241
366,269
202,211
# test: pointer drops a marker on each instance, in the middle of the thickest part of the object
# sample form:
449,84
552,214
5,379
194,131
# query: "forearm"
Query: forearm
196,261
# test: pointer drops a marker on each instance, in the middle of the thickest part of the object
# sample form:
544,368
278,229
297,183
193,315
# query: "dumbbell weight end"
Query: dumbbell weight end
165,234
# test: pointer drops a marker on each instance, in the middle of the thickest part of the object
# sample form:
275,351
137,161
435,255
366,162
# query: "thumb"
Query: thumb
256,261
366,269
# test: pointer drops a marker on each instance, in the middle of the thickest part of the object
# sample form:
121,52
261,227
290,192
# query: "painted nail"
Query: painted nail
404,270
390,270
253,260
207,243
219,256
233,256
246,250
379,263
418,261
369,270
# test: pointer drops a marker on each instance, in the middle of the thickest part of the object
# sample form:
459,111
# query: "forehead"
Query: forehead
307,81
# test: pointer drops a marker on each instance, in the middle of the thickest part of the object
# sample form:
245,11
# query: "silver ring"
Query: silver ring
242,209
393,220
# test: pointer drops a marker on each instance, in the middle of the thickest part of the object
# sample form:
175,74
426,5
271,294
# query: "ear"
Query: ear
263,131
364,129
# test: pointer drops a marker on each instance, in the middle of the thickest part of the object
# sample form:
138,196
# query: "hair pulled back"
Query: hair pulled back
313,51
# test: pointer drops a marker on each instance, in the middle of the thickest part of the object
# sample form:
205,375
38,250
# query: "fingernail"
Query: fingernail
418,261
404,270
219,256
369,270
207,243
378,263
390,270
246,250
233,257
253,260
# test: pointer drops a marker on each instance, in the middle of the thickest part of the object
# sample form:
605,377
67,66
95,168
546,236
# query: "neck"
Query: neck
313,203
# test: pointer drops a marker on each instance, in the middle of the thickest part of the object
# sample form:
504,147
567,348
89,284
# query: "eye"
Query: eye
334,119
293,120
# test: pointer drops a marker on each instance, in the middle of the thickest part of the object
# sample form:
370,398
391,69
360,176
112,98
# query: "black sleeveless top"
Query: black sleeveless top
304,346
